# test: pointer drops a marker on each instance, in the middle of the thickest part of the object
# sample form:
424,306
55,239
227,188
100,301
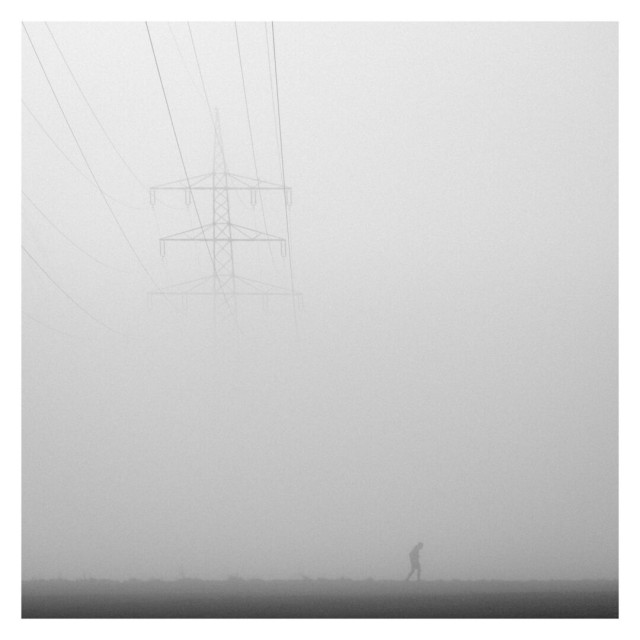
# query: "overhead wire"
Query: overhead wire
253,148
215,133
69,296
204,86
67,238
284,183
175,135
48,326
97,119
74,165
92,183
102,193
273,101
182,59
93,113
137,178
184,167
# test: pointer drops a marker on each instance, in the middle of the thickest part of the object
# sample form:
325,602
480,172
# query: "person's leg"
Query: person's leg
410,574
418,569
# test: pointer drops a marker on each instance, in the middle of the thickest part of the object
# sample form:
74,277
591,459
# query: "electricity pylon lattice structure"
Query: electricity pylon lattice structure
221,235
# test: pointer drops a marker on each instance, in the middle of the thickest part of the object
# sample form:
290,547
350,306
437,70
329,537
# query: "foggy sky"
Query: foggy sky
454,233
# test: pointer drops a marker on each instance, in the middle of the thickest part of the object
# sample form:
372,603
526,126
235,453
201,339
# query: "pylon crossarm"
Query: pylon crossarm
190,234
237,233
223,234
238,188
192,181
254,234
234,182
255,182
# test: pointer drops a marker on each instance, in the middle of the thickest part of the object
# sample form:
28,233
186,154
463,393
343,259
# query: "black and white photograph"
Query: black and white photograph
319,320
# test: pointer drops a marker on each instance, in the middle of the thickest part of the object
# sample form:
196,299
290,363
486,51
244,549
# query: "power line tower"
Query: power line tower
220,236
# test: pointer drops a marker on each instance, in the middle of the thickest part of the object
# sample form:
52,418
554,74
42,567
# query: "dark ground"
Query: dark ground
235,598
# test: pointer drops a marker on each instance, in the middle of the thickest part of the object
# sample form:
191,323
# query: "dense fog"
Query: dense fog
453,375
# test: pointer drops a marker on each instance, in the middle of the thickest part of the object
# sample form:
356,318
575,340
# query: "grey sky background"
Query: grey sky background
454,232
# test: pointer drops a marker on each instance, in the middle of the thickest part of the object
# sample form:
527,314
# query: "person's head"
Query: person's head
420,545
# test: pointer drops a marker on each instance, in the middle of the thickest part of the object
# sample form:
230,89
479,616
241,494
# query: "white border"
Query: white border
542,10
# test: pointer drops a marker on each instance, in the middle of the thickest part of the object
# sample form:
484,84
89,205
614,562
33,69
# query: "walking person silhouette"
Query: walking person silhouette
414,559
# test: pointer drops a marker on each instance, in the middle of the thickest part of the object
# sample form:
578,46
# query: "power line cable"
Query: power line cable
93,113
253,148
184,167
284,183
48,326
273,101
182,58
67,238
74,165
175,135
99,122
70,297
102,193
204,86
93,184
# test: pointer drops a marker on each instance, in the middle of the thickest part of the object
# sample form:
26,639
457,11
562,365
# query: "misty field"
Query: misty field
236,598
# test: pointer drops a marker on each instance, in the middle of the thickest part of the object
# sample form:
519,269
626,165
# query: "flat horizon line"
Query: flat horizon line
322,579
